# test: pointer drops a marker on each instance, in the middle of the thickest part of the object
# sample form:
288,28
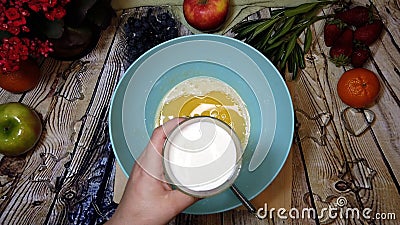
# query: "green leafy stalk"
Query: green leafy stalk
285,29
308,40
277,37
301,9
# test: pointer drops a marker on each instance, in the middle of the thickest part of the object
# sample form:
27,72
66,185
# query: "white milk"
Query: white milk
202,155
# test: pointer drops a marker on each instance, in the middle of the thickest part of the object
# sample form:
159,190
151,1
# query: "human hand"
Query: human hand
148,199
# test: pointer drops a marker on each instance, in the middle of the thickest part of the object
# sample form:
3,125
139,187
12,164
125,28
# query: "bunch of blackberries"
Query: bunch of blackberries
148,31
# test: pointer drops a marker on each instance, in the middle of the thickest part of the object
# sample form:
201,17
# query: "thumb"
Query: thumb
160,133
151,159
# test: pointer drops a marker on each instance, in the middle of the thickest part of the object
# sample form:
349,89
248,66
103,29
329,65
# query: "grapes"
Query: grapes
148,31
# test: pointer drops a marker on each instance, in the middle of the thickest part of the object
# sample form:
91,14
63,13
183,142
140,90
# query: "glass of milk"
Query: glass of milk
202,156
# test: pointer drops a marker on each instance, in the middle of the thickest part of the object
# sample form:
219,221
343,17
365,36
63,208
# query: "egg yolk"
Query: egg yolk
205,106
215,104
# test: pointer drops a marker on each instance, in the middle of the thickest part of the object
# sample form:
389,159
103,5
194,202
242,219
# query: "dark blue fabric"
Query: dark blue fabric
95,201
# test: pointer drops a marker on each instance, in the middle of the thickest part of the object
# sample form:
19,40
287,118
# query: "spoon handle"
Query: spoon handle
249,206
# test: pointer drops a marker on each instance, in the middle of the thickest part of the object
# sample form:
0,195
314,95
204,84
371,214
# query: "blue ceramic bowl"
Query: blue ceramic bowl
255,79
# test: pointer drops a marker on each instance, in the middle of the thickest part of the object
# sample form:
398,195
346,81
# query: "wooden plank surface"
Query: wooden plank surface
73,164
67,149
366,164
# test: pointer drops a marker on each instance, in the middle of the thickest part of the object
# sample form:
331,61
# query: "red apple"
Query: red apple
205,15
20,128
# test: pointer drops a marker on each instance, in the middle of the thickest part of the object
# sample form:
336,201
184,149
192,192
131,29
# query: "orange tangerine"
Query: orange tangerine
358,87
24,79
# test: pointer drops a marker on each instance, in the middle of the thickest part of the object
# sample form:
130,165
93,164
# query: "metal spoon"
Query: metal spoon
246,202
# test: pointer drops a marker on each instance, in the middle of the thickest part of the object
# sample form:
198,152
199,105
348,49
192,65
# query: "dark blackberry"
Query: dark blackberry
171,23
148,31
137,24
152,19
163,16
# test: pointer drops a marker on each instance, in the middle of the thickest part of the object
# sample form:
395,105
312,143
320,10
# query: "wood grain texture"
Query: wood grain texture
363,163
386,63
103,68
33,188
73,162
62,98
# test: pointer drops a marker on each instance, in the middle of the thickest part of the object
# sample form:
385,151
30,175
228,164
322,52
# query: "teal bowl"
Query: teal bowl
137,97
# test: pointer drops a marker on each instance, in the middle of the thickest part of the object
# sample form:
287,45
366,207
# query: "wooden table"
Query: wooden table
69,177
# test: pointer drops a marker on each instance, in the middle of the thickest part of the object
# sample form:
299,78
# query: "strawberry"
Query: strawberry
340,54
359,56
357,16
346,37
332,30
368,33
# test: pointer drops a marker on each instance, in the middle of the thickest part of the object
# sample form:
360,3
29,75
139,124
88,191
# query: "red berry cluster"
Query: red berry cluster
350,33
52,10
17,43
15,49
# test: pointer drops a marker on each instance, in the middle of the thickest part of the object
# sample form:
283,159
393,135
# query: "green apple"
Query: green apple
20,128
